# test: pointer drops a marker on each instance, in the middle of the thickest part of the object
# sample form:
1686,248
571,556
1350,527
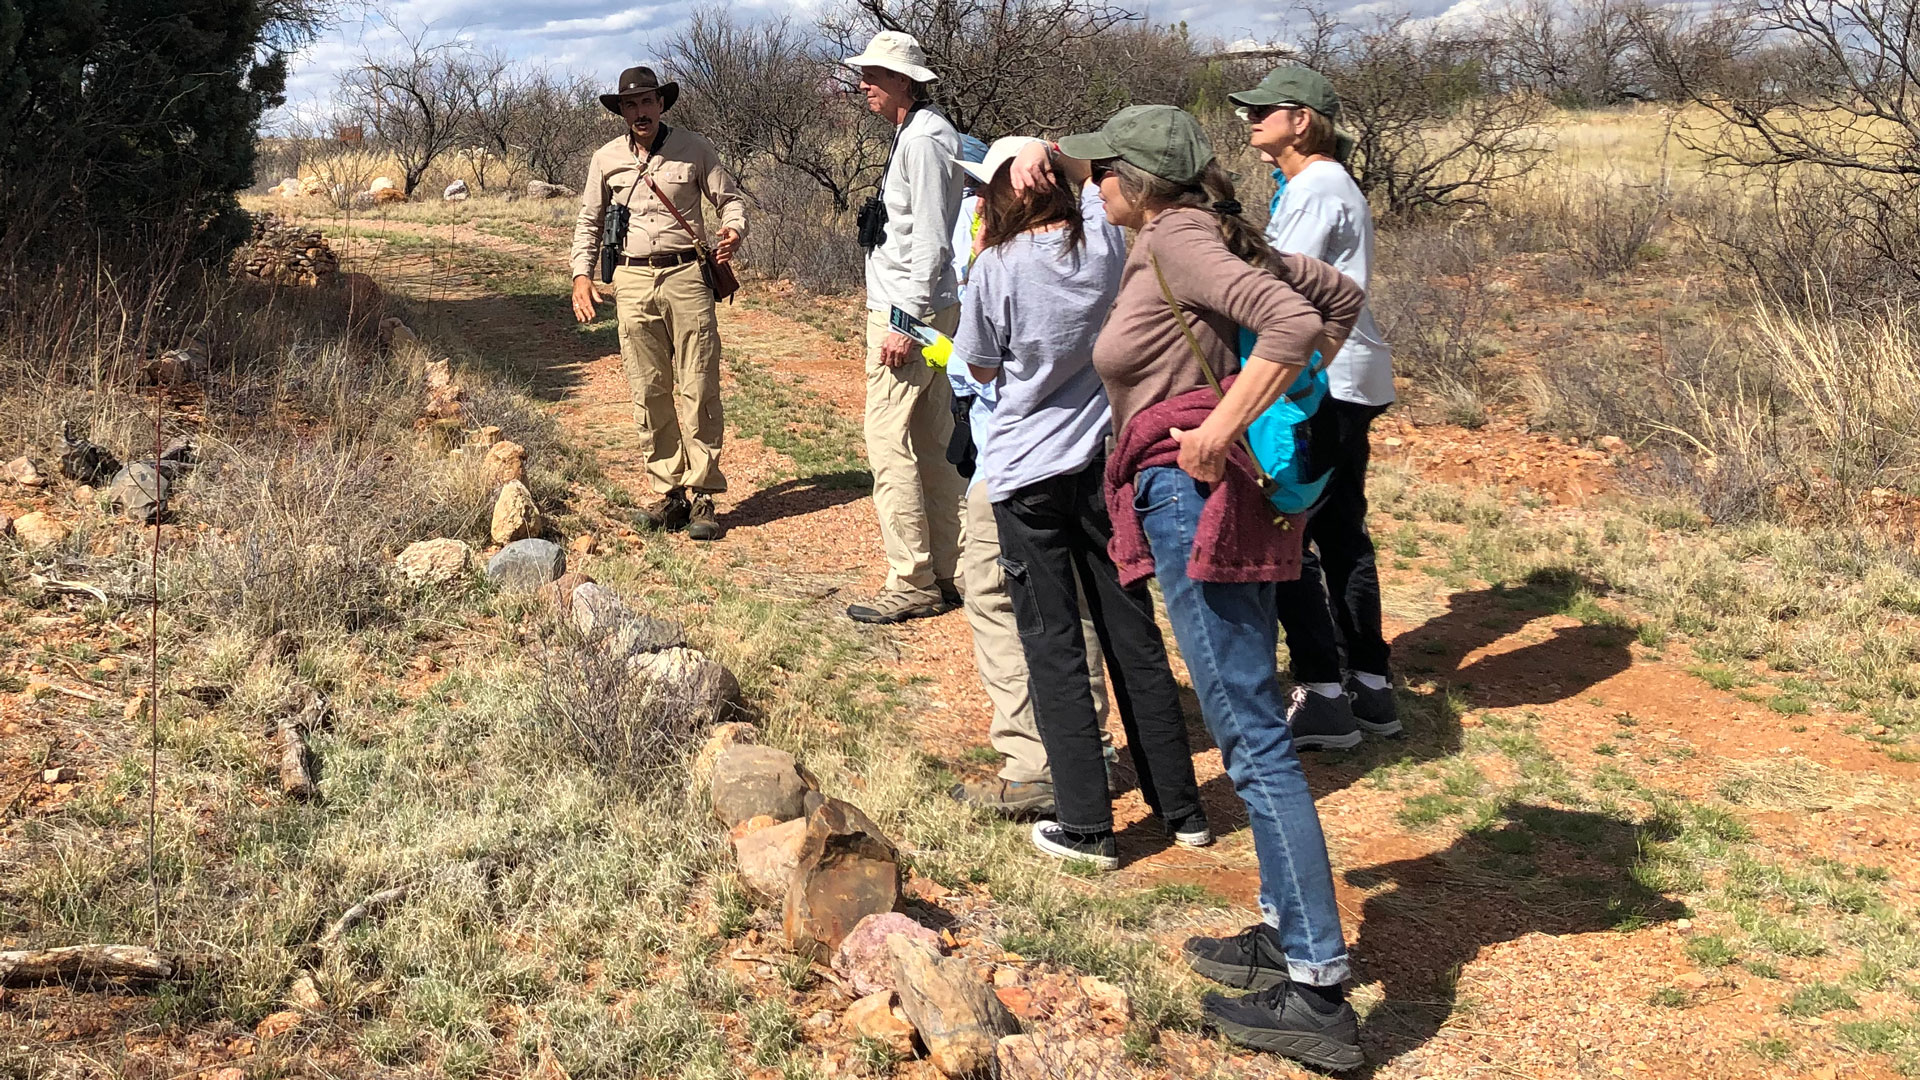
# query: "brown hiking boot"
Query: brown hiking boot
701,524
1008,798
898,606
668,513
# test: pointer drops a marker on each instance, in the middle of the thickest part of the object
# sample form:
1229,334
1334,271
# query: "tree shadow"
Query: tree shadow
801,495
1573,659
1533,869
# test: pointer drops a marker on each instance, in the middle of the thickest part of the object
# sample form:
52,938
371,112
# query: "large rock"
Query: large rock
445,397
558,593
602,615
515,517
723,736
752,780
527,564
435,562
685,682
951,1007
83,460
880,1018
455,191
768,858
506,462
37,530
381,183
140,490
23,471
848,871
1039,1057
540,189
863,958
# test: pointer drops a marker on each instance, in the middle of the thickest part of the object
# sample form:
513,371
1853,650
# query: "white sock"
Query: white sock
1371,681
1325,689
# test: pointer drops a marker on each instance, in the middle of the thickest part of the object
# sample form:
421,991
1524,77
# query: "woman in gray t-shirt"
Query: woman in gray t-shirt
1038,294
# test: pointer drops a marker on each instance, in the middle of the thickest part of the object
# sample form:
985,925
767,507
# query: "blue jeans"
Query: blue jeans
1228,636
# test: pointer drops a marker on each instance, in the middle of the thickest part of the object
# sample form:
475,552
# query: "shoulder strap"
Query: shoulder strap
653,154
1166,291
895,148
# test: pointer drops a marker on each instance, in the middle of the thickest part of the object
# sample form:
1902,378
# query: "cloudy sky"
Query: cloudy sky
600,39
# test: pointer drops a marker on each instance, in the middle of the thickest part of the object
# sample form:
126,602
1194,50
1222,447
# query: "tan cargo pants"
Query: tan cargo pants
670,346
915,491
997,652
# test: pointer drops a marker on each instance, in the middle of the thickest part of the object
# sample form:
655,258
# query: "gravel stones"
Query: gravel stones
435,562
749,781
849,870
527,564
863,959
515,517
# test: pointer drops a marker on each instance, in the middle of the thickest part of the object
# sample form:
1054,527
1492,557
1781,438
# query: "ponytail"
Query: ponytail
1211,191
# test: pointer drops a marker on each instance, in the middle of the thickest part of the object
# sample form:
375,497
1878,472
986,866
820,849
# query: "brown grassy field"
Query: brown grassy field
1654,815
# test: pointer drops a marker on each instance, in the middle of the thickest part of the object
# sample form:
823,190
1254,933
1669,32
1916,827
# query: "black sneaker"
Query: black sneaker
669,512
1292,1022
1320,722
1192,830
1249,960
1054,839
701,522
1374,710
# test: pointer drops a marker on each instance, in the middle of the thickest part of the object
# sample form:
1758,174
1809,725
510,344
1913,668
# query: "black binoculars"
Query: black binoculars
613,239
872,220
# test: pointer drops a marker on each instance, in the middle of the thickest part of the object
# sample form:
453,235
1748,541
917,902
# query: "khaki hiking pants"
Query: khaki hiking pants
670,346
916,493
997,652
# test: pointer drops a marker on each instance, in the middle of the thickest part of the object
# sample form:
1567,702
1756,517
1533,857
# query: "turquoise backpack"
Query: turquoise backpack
1280,440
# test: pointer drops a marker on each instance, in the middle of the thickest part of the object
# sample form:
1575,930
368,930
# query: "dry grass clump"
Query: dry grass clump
1797,784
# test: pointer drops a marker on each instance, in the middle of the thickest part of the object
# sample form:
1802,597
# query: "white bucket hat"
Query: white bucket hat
1003,150
896,51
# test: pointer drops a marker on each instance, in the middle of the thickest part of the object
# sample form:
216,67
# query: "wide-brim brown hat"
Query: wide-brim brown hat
639,80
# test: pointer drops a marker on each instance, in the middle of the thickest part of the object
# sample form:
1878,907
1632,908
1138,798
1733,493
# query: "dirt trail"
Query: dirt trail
1476,979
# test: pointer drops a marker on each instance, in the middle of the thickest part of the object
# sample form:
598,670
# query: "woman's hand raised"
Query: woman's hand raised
1031,170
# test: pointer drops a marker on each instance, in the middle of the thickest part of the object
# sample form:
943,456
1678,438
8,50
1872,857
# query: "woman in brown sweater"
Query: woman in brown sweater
1179,479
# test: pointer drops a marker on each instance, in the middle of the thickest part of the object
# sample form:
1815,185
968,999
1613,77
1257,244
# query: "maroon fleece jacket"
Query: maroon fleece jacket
1241,536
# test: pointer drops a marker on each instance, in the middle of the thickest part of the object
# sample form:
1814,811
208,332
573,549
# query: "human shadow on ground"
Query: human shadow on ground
1573,659
1533,869
801,495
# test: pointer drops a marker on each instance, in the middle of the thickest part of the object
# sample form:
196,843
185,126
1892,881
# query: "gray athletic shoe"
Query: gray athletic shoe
1320,722
1374,710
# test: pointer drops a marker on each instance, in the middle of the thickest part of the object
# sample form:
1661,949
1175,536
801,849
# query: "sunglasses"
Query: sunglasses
1253,114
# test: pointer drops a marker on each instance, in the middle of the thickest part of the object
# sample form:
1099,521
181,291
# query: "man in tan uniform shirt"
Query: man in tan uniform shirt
669,340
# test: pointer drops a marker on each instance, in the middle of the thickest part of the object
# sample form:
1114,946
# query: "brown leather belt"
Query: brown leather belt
660,262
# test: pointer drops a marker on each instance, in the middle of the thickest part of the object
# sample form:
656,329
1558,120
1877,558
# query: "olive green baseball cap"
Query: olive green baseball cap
1165,140
1293,84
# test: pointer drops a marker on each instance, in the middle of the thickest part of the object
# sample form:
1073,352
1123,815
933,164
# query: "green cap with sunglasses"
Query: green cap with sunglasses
1292,84
1162,139
1297,85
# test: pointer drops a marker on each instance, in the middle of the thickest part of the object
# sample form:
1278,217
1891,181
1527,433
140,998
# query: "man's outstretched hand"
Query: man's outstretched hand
583,299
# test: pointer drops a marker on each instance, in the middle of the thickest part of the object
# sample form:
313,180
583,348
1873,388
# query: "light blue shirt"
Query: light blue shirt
1322,213
1033,308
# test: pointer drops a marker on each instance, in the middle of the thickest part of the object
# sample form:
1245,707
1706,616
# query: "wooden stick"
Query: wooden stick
296,781
81,694
296,778
25,966
353,915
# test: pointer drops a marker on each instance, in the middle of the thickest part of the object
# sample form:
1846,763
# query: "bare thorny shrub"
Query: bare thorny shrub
1432,300
616,719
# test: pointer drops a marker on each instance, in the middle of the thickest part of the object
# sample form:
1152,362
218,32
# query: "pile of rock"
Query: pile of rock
284,254
540,189
384,190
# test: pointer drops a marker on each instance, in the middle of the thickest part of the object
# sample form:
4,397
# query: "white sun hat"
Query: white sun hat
896,51
1003,150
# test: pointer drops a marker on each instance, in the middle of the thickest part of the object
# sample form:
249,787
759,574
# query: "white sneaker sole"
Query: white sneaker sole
1327,742
1047,846
1386,731
1193,839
